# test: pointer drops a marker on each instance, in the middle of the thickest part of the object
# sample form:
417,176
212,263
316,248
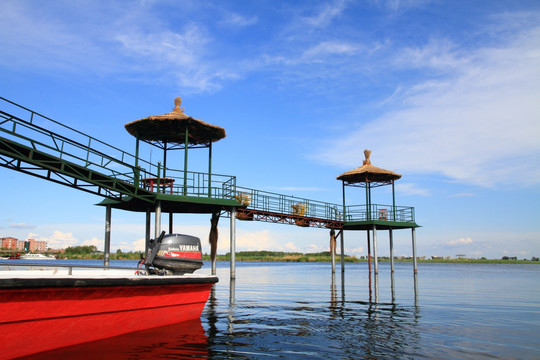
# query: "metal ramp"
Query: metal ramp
66,156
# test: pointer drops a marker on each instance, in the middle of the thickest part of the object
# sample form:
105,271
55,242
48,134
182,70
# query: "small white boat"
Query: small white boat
37,257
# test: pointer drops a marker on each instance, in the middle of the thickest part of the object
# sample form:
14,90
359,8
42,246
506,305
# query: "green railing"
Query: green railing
41,133
22,126
197,184
290,205
379,212
282,204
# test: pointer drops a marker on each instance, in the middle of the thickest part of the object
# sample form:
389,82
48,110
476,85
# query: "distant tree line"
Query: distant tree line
91,252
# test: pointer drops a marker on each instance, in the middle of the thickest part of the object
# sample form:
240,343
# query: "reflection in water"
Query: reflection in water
270,314
415,289
343,286
393,287
232,302
333,291
186,338
232,291
211,313
376,282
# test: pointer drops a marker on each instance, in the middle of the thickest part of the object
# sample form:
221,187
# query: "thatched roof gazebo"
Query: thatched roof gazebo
371,216
368,174
175,127
176,130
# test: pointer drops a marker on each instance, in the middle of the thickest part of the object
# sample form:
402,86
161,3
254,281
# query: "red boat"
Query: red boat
42,310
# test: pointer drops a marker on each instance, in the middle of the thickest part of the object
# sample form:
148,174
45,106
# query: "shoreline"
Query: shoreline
352,260
268,256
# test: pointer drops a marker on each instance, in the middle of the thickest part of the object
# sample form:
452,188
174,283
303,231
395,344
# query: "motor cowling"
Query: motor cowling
178,254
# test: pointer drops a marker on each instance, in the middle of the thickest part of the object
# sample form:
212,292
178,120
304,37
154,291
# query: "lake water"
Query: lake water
298,310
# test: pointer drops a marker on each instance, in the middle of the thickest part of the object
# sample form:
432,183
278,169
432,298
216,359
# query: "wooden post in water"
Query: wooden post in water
233,243
107,247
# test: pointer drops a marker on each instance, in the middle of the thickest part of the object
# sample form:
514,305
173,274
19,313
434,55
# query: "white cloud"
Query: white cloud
327,14
437,54
57,240
315,248
411,189
478,125
328,48
290,247
98,243
235,19
180,55
254,241
460,241
138,245
110,39
359,251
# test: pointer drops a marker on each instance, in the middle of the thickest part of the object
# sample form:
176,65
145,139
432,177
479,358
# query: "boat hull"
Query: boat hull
42,314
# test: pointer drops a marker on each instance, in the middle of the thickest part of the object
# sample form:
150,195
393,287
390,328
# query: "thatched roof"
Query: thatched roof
171,127
368,173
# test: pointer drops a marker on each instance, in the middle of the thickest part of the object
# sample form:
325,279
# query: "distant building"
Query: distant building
37,245
31,245
9,243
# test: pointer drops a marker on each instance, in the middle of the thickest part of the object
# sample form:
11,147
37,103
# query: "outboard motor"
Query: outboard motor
176,254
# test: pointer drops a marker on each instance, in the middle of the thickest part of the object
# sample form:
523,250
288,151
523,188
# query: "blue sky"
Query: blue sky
446,93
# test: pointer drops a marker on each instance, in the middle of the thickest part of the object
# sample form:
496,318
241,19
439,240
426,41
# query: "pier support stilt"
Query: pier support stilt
147,232
107,247
390,235
157,226
333,249
415,264
233,243
375,257
369,263
342,246
369,255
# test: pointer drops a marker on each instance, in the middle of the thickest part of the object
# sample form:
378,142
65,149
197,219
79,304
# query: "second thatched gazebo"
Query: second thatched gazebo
372,216
369,176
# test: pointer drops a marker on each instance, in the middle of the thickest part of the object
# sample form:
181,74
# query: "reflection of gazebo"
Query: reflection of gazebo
372,216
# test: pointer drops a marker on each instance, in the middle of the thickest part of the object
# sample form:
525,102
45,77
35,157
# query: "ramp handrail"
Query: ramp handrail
289,205
73,145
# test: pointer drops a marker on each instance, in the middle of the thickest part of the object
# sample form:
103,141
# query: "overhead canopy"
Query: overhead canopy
172,127
368,173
